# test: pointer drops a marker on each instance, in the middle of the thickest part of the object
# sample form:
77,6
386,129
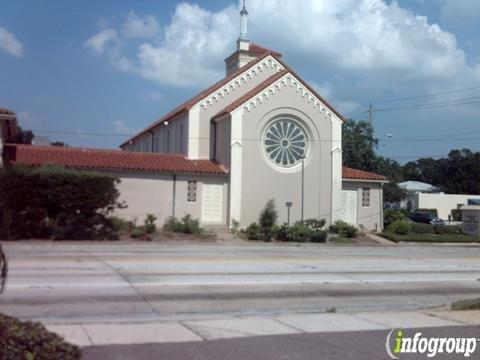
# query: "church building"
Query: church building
260,133
278,138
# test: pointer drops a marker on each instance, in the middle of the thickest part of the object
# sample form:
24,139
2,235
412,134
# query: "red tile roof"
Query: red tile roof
354,174
94,159
6,111
199,97
260,50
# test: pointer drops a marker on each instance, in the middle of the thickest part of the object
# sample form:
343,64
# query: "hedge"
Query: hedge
51,202
31,340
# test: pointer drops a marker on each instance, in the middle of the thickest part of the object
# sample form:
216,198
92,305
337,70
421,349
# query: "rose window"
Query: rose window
285,142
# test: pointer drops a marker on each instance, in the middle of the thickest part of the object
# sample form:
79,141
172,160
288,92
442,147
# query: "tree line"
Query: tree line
458,173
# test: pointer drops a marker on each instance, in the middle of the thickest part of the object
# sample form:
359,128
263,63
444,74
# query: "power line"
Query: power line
79,133
455,102
426,95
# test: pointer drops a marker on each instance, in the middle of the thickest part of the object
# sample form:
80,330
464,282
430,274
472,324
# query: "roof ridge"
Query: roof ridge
71,149
201,95
264,84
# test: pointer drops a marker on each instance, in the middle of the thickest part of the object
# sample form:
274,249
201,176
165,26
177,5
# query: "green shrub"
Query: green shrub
54,202
447,229
253,231
235,226
31,340
390,216
419,228
299,232
173,224
456,215
186,225
319,236
267,219
434,212
282,233
150,226
190,226
337,226
343,229
315,224
399,227
120,224
138,232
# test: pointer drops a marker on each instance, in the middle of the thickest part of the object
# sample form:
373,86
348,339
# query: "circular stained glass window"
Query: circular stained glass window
285,142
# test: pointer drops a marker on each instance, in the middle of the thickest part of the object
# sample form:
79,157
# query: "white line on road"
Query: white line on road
230,282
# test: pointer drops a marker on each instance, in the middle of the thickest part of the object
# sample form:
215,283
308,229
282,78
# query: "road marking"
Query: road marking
233,282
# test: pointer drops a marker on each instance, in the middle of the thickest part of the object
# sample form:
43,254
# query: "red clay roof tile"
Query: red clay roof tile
95,159
354,174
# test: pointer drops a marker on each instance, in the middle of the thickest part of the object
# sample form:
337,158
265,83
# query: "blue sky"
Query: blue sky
112,67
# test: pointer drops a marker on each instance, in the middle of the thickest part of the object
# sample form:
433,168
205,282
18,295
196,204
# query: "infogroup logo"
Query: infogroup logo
397,343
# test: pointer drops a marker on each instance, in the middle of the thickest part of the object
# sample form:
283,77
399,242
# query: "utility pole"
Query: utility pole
370,114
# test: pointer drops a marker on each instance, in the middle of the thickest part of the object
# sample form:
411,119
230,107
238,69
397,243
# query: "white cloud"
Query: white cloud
140,27
370,39
122,127
10,43
360,35
193,47
98,43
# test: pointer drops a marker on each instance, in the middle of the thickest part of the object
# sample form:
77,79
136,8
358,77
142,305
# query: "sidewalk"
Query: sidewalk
89,334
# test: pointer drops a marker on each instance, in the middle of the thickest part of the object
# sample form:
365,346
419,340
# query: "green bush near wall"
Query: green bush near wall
51,202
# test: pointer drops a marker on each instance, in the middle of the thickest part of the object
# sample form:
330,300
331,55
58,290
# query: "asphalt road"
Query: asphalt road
128,282
365,345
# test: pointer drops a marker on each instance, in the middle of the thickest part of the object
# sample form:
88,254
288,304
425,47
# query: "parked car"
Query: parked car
425,218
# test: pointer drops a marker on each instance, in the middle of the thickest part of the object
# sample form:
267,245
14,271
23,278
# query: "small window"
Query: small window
192,191
365,196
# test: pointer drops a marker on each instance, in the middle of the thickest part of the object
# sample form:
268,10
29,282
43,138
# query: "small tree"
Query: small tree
267,219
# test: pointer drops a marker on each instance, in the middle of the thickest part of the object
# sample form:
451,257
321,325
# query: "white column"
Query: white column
236,167
194,132
336,157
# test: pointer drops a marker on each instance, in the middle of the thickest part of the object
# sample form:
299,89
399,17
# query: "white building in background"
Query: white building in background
421,195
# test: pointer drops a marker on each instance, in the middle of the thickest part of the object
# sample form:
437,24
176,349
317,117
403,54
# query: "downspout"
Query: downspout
174,194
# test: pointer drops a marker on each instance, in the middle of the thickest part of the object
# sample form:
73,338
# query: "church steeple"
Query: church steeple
243,43
243,22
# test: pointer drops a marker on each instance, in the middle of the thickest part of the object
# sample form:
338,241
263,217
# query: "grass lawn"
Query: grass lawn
468,304
453,238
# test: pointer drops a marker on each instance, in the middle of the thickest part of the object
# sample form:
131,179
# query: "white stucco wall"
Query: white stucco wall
370,217
148,193
255,179
444,203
